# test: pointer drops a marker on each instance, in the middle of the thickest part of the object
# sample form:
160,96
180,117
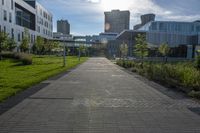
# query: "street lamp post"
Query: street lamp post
64,55
79,53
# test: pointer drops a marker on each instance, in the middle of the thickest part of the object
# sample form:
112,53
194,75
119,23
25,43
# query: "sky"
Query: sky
86,17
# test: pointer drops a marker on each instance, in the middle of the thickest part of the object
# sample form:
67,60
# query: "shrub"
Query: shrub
26,59
195,94
17,56
119,62
7,55
197,62
174,75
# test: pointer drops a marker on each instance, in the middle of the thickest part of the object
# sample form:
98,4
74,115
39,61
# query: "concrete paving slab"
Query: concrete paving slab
99,96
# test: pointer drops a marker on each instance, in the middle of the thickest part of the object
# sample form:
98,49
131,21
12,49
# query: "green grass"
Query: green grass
15,77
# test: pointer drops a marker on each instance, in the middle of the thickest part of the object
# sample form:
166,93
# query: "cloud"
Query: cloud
93,1
162,12
86,16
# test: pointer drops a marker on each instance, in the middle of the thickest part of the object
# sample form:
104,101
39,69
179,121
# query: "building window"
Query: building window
198,28
38,29
24,17
31,38
5,15
19,37
22,35
4,29
12,5
12,33
10,17
2,2
154,26
41,12
162,27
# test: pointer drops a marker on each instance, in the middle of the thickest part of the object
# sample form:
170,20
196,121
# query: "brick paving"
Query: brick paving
100,97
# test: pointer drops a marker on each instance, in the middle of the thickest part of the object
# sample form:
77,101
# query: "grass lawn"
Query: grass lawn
15,77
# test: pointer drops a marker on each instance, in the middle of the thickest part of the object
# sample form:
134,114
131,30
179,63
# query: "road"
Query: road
99,96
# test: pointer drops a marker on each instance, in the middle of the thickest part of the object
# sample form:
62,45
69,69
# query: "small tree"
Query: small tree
197,61
141,48
67,50
48,46
39,44
24,47
81,49
3,39
56,47
34,49
164,50
11,44
123,50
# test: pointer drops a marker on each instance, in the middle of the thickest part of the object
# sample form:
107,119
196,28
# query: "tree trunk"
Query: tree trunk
166,59
0,52
142,62
79,55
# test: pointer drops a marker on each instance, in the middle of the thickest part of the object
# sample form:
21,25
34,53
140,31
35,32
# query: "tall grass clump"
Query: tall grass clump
26,59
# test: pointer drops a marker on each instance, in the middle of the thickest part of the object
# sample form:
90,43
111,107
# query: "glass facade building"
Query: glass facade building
173,33
182,37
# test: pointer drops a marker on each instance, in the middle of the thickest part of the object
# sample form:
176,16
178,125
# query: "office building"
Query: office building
182,37
16,15
63,26
116,21
144,20
61,36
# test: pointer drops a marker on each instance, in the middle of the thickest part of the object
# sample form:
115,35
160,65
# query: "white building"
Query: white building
16,15
61,36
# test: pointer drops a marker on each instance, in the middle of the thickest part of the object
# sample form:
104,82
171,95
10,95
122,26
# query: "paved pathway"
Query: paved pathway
100,97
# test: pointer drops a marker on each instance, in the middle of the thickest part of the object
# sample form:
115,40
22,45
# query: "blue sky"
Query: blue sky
87,16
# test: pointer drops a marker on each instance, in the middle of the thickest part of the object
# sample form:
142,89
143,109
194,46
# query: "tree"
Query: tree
11,44
34,49
57,47
24,47
124,50
48,46
197,61
3,39
141,48
164,50
67,50
81,50
39,44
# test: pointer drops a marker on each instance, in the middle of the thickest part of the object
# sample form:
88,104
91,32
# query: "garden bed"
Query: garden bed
183,76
